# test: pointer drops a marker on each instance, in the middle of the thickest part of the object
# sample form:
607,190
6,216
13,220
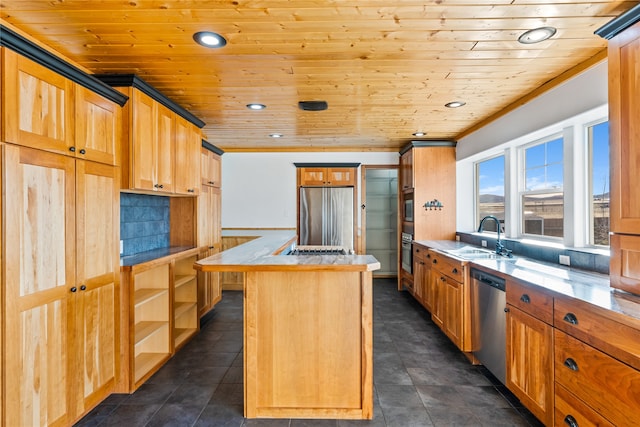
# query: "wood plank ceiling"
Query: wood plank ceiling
386,69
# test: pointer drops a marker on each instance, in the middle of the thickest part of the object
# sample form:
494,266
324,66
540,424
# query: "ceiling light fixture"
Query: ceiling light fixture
276,135
209,39
419,133
536,35
256,106
454,104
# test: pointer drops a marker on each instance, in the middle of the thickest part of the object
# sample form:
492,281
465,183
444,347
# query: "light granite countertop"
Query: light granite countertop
592,288
263,252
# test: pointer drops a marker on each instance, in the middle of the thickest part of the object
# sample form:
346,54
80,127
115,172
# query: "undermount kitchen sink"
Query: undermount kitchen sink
470,252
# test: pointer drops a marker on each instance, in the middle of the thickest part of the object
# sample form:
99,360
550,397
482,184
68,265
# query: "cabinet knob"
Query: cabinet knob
72,149
435,261
83,151
74,289
212,182
428,255
571,364
190,190
161,186
83,288
525,299
454,271
570,421
570,318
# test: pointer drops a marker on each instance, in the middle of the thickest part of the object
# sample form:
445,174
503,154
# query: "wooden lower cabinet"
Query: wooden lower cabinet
209,287
60,286
530,362
571,411
185,300
449,295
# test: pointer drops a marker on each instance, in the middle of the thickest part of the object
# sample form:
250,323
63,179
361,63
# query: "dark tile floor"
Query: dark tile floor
420,378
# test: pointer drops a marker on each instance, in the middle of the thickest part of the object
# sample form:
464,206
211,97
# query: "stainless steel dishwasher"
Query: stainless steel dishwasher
489,326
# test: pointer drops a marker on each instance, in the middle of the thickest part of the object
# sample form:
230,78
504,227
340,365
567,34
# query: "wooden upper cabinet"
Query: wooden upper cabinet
37,104
333,176
210,168
165,138
406,170
624,110
140,148
98,127
187,158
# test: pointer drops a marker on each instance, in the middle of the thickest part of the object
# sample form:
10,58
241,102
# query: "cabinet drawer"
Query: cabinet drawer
447,266
607,385
532,301
570,411
594,326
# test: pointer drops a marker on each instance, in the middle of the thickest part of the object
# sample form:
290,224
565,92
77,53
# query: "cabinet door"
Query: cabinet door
165,139
452,316
438,304
37,105
418,276
428,284
94,305
313,176
187,158
39,277
530,363
210,170
143,140
624,107
209,290
406,170
98,127
341,176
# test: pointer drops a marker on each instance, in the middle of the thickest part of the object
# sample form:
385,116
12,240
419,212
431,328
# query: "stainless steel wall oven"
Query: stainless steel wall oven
406,255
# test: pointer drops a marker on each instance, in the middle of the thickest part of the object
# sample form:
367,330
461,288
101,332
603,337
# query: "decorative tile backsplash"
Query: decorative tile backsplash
579,259
144,222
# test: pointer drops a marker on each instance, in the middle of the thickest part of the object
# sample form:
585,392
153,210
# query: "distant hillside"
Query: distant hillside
491,198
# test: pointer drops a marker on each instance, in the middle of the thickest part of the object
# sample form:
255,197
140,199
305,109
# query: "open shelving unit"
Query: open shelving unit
185,300
151,320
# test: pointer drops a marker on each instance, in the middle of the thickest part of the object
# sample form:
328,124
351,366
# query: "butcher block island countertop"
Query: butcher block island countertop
308,337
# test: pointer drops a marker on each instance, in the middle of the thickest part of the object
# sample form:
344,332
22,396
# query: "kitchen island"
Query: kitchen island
308,346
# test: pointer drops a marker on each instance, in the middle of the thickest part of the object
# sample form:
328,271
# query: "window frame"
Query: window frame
476,209
523,192
588,143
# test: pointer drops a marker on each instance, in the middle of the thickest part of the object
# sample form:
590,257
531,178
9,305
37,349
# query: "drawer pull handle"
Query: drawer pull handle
570,421
435,261
571,318
454,271
428,255
571,364
525,299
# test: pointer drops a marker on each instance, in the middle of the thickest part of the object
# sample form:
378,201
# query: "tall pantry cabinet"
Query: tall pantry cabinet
60,232
624,109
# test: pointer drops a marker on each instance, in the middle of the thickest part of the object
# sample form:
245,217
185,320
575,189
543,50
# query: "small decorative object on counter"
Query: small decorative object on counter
433,204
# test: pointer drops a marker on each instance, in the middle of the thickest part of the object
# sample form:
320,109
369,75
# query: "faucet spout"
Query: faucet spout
500,248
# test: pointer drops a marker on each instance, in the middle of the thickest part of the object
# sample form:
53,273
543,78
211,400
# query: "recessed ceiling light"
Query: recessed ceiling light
419,134
276,135
209,39
536,35
256,106
454,104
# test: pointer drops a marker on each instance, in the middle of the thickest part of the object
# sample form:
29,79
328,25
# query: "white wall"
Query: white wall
259,189
548,113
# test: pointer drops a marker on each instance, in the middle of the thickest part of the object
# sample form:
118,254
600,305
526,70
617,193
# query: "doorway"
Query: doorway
379,216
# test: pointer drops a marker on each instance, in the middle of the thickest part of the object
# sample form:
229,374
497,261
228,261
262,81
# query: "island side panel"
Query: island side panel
308,344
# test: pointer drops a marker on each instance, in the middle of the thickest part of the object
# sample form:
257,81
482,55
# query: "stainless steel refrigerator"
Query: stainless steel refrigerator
326,216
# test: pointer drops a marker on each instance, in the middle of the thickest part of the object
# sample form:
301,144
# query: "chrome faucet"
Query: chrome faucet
500,248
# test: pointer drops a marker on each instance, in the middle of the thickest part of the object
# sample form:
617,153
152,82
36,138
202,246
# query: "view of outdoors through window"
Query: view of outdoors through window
599,189
491,191
543,197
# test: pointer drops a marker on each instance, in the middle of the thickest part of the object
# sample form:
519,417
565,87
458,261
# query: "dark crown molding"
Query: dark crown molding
619,24
427,143
209,146
132,80
28,49
327,165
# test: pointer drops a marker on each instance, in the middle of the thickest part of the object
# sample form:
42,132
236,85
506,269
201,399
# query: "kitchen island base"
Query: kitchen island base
308,344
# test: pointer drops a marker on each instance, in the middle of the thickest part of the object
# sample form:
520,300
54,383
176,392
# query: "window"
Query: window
490,191
598,149
542,201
